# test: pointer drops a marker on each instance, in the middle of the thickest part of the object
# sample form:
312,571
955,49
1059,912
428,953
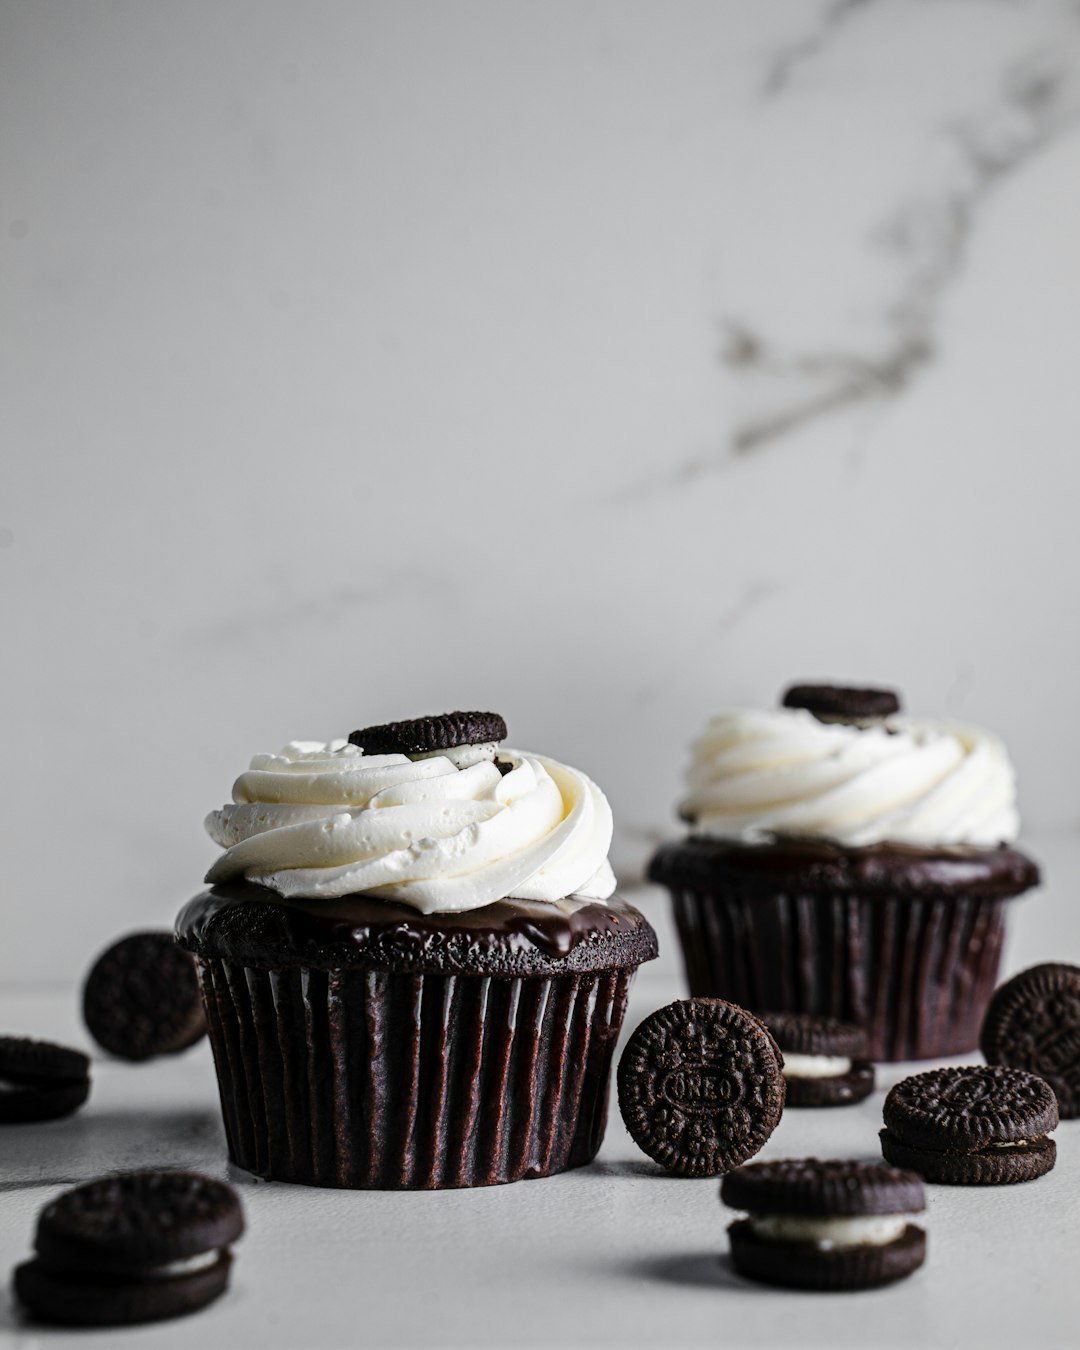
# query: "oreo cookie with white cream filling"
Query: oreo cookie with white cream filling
825,1060
983,1125
825,1225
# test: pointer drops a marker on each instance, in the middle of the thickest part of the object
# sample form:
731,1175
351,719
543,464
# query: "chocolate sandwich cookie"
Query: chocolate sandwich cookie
701,1086
431,735
39,1080
141,998
137,1247
825,1060
985,1125
1033,1023
825,1225
842,703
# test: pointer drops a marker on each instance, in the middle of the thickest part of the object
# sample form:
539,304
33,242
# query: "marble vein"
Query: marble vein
810,44
917,242
929,234
323,609
748,601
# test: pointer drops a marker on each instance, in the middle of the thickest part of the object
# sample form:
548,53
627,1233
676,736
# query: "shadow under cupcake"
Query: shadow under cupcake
845,861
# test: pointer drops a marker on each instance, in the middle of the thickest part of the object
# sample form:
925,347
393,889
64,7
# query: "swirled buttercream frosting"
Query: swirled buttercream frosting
756,776
319,820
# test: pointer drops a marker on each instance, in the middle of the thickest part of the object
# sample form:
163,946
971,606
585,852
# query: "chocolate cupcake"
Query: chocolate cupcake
413,962
844,860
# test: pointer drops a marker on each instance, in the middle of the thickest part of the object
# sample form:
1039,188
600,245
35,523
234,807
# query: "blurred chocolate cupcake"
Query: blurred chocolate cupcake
414,965
844,860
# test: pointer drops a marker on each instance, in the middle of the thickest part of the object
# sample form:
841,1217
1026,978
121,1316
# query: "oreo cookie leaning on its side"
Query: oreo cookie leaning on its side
825,1225
40,1080
137,1247
701,1086
1033,1023
986,1125
825,1061
842,703
141,998
424,736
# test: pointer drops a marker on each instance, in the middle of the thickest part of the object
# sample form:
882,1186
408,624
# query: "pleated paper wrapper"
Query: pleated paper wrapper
366,1079
917,973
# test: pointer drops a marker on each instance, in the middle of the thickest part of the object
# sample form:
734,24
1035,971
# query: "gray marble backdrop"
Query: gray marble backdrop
602,362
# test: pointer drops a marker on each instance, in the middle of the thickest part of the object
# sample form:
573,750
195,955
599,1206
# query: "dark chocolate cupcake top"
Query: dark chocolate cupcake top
867,779
245,923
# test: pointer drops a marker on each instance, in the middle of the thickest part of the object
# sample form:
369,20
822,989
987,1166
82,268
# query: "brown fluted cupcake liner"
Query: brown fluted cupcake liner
916,972
373,1079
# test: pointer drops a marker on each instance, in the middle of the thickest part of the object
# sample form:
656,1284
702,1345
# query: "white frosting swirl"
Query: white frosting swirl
758,775
321,820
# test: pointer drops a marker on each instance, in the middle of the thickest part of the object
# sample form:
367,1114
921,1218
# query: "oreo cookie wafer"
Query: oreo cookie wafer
1033,1023
431,735
40,1080
701,1086
985,1125
842,703
141,998
825,1225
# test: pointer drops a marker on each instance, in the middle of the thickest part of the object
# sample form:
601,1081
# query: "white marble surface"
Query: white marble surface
601,362
604,362
616,1254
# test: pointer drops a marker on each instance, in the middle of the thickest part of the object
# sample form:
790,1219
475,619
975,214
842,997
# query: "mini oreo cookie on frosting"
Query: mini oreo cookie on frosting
842,703
1033,1023
701,1086
137,1247
40,1080
825,1225
985,1125
464,737
825,1061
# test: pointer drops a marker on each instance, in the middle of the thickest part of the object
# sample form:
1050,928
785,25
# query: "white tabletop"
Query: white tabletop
614,1254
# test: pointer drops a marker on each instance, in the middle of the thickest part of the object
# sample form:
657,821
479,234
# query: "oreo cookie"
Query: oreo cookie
701,1086
137,1247
141,998
842,703
833,1225
984,1125
40,1080
429,735
825,1061
1033,1023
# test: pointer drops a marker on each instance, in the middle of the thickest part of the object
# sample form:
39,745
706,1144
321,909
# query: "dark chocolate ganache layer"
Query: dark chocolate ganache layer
253,926
817,867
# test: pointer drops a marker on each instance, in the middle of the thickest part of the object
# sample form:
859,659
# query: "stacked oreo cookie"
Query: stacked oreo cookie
825,1225
137,1247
